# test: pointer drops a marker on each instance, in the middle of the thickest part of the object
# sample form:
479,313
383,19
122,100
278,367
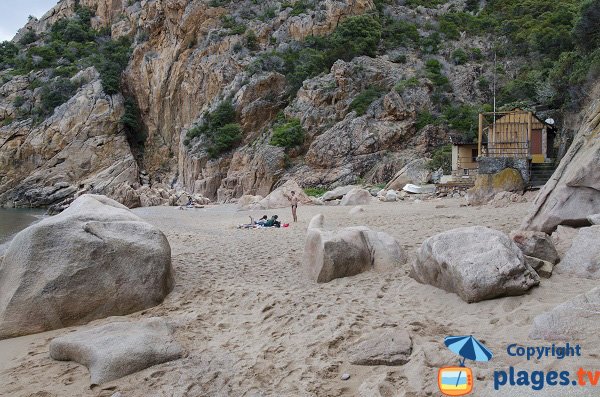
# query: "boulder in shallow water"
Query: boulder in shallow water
574,320
118,349
477,263
357,196
583,257
96,259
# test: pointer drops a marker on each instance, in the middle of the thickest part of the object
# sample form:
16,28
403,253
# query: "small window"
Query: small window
474,153
466,172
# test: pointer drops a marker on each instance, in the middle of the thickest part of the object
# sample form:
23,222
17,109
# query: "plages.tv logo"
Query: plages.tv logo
458,380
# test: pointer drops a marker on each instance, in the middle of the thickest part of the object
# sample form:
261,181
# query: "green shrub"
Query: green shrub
424,3
252,41
220,129
315,191
232,26
397,33
288,133
431,44
132,123
299,7
462,118
404,85
362,101
585,31
459,56
54,94
433,69
442,158
28,38
224,139
424,119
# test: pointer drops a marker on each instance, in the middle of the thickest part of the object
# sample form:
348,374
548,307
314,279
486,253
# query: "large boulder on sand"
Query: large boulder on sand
96,259
118,349
249,202
337,193
594,219
536,244
277,198
477,263
357,196
573,192
583,258
334,254
416,172
488,185
574,320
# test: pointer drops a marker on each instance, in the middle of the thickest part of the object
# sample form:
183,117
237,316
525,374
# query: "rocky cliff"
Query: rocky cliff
325,92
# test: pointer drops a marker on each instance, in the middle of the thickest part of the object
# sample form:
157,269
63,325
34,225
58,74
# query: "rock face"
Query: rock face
279,197
105,261
249,202
594,219
583,257
574,320
79,148
536,244
118,349
347,252
488,185
415,172
357,196
573,192
392,347
477,263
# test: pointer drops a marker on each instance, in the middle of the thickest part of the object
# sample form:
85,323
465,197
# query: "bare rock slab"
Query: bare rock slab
575,319
477,263
388,347
594,219
583,257
118,349
94,260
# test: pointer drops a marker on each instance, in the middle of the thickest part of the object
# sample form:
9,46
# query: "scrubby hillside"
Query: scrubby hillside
225,98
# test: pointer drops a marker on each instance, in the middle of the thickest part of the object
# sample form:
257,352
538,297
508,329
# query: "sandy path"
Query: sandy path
254,326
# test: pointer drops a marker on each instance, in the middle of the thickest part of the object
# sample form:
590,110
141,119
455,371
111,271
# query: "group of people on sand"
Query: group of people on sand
273,221
262,222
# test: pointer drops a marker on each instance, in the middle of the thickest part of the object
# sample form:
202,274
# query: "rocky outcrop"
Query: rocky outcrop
347,252
118,349
488,185
416,172
573,192
79,148
280,197
574,320
476,263
105,260
583,257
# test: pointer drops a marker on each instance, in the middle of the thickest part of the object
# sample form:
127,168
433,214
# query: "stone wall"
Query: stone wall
493,165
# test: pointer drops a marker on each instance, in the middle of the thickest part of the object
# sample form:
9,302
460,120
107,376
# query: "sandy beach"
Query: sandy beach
252,324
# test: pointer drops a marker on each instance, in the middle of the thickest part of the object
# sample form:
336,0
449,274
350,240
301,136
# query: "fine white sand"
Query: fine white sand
253,325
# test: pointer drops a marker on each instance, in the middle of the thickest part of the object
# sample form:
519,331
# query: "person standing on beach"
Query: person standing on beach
294,200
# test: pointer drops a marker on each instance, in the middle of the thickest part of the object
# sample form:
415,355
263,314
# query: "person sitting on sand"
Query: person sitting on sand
294,201
261,221
273,222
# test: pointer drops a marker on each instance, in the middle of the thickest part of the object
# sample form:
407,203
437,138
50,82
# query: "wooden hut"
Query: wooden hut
516,134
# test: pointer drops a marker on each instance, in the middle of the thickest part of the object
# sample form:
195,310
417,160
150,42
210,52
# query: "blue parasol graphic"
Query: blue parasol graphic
468,348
